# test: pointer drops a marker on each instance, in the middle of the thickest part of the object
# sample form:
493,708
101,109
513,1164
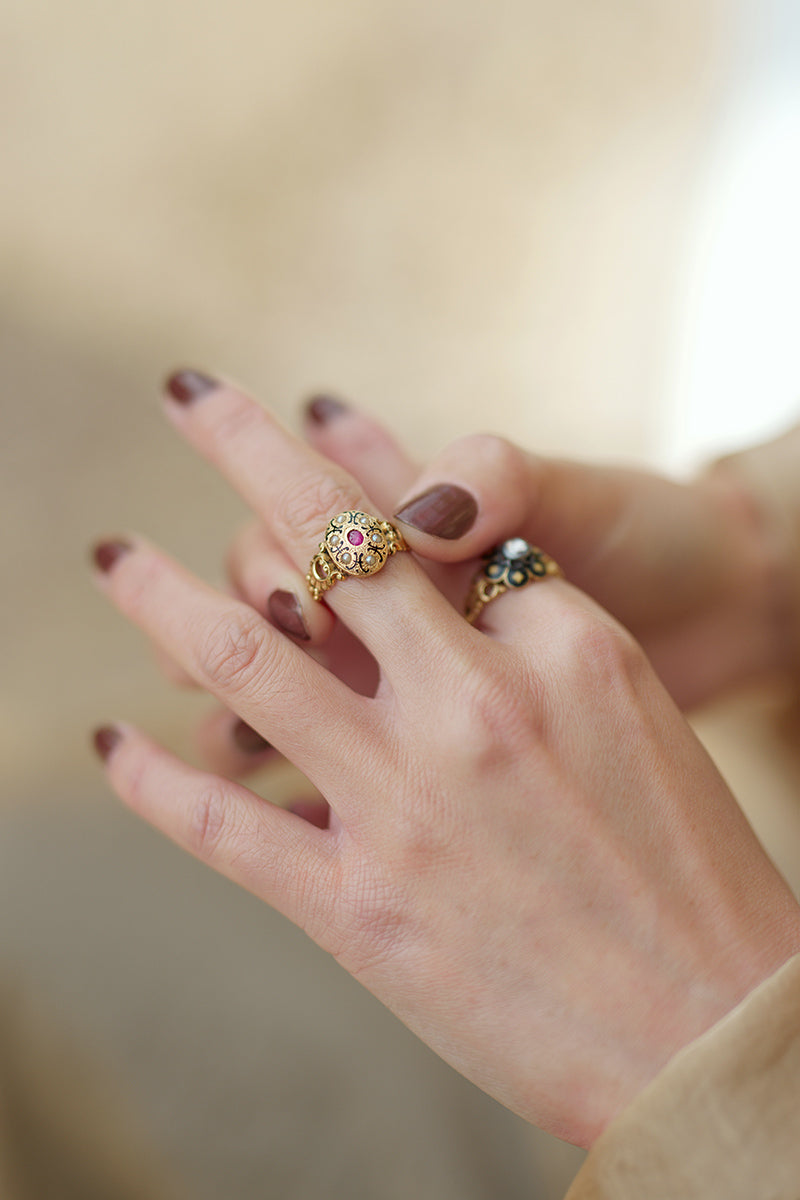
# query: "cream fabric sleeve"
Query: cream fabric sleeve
721,1121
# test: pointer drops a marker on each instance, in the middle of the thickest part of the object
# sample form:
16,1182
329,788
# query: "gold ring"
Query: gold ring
354,543
514,564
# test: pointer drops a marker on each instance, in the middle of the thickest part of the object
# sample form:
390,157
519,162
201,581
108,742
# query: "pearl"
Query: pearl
514,548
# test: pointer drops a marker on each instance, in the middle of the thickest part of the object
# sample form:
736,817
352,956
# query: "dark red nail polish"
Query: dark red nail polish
322,409
106,554
187,386
285,611
445,510
105,740
248,739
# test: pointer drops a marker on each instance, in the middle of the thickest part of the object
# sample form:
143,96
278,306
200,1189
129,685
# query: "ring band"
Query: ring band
513,564
355,544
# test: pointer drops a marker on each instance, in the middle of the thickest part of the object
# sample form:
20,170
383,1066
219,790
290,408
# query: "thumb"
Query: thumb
482,489
473,493
643,546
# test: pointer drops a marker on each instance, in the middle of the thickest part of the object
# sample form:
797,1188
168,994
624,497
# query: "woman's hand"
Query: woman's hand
529,856
704,574
701,573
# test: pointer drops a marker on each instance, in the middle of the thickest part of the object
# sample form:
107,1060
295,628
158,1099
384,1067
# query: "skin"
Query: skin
528,855
698,571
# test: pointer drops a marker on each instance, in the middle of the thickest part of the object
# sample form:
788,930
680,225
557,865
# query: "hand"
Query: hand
258,572
701,573
529,857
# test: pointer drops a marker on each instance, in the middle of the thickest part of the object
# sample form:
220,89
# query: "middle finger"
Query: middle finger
295,491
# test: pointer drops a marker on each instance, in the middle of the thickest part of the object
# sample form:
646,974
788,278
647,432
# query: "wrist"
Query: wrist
768,938
744,1067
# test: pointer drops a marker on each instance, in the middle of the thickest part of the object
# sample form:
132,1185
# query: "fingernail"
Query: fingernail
105,740
248,739
322,409
286,612
445,510
106,554
187,386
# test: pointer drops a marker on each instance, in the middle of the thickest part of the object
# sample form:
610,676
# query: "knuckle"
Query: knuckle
499,457
135,588
236,418
370,926
232,652
307,504
490,711
135,778
209,823
596,649
365,437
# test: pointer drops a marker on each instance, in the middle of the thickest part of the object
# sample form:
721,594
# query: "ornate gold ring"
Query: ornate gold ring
354,544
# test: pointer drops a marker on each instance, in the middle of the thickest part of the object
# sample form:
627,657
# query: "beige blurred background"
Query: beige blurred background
460,216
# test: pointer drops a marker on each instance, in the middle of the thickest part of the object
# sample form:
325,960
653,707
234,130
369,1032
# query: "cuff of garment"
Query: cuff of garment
769,474
721,1121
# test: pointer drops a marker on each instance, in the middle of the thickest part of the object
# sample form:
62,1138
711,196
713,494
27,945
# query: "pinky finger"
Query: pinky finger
275,854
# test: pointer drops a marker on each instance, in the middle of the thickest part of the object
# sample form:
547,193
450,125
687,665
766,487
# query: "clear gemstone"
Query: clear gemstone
514,548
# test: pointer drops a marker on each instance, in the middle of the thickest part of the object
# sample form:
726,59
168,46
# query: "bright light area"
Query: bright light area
736,374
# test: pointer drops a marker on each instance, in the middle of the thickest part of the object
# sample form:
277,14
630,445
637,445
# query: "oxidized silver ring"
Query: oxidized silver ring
513,564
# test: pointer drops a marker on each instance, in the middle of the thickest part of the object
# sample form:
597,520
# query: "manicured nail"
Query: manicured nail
322,409
445,510
105,740
187,386
286,612
248,739
106,554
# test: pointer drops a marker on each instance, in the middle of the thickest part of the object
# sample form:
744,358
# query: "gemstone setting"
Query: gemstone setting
515,563
515,548
356,543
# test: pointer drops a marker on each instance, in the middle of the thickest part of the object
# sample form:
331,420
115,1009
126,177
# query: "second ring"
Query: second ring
513,564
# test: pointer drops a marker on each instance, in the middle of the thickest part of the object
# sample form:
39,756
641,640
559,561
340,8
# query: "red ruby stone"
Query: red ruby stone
355,538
